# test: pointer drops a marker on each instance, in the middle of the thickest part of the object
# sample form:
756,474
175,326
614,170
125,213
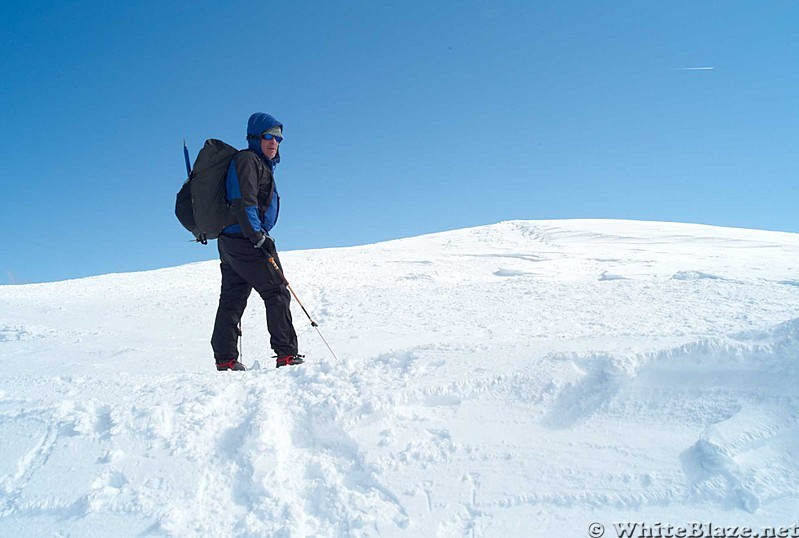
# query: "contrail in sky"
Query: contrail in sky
694,68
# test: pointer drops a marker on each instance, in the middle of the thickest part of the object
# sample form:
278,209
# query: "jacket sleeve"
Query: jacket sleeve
242,185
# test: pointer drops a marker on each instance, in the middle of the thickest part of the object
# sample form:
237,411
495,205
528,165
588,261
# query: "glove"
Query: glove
267,244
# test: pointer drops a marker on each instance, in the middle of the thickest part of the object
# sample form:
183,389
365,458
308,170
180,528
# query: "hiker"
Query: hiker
245,248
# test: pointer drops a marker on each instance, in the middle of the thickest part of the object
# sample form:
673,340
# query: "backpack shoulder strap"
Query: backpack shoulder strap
250,154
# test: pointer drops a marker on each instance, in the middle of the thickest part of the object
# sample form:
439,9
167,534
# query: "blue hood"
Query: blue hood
258,123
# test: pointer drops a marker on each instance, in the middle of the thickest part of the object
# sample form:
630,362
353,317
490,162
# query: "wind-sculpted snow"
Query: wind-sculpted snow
742,391
523,379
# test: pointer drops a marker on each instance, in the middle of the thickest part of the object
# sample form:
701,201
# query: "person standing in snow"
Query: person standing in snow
245,249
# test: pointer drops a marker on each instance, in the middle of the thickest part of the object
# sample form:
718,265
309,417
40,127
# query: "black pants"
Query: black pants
244,268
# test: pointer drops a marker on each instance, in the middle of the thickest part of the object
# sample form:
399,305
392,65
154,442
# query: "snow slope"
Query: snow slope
527,378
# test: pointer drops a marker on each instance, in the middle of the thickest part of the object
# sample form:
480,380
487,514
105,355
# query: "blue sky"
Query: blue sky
401,118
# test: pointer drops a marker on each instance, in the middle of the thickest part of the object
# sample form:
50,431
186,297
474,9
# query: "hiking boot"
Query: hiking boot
232,364
289,360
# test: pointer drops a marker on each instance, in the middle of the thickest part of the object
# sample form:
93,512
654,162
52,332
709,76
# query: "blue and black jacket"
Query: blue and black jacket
250,184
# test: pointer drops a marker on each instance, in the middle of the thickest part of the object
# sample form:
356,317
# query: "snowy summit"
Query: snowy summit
529,378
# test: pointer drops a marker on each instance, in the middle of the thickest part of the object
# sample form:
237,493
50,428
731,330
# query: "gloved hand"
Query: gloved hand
267,245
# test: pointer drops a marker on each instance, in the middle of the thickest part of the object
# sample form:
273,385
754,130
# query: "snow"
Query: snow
527,378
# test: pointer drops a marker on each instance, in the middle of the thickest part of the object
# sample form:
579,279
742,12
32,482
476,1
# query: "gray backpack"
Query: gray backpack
201,205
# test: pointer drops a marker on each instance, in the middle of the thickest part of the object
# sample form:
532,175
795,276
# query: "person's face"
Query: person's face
269,147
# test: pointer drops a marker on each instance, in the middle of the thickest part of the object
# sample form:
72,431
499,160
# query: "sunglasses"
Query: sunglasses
271,136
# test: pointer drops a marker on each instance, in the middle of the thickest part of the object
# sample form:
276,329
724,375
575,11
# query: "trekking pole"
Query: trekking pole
241,341
313,323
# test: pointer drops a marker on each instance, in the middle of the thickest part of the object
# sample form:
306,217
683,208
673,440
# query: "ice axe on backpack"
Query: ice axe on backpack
186,156
313,323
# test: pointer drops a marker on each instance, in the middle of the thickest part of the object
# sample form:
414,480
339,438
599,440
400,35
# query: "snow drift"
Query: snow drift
522,379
